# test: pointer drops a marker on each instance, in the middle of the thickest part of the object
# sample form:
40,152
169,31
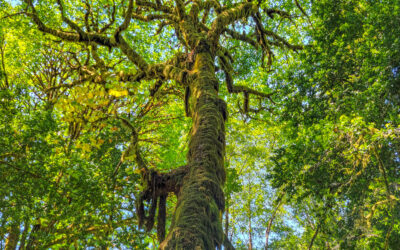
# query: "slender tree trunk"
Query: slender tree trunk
2,52
13,236
227,220
314,237
250,233
270,222
24,235
32,243
197,222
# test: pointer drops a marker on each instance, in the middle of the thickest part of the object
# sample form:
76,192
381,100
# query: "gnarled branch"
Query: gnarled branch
229,16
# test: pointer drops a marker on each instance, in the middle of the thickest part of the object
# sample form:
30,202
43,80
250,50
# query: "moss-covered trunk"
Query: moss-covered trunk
197,219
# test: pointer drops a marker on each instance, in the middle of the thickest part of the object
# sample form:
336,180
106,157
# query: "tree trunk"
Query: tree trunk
24,235
32,241
250,233
227,220
197,223
314,237
270,222
13,236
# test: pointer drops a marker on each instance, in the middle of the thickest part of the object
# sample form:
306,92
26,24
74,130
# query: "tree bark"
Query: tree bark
197,222
270,222
32,241
24,235
13,236
227,220
314,237
250,233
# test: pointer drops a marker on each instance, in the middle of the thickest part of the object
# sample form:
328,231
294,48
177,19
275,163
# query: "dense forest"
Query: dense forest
199,124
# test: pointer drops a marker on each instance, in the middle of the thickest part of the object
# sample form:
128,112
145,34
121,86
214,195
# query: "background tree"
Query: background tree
342,125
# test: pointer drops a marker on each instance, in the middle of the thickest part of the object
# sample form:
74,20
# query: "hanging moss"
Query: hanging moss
161,218
155,189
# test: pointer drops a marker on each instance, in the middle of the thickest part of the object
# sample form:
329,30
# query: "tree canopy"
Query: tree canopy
200,124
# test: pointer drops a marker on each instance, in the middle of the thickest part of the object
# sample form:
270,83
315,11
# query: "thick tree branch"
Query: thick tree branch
153,17
156,188
229,16
207,5
155,6
68,21
227,68
180,9
281,41
241,37
132,55
159,72
133,148
127,20
82,36
112,19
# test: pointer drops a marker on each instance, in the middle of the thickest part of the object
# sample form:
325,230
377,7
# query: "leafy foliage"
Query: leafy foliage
88,126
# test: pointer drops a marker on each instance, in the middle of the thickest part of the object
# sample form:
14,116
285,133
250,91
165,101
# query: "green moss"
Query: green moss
197,219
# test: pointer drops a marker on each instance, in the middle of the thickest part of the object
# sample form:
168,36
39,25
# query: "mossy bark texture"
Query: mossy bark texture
197,219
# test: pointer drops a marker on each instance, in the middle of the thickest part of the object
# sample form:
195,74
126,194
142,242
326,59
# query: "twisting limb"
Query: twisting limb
303,12
279,39
208,5
155,6
226,66
161,26
68,21
265,44
132,55
81,36
112,20
205,16
180,9
154,89
159,72
229,16
73,37
262,40
241,37
283,14
133,148
86,16
127,20
153,17
12,15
